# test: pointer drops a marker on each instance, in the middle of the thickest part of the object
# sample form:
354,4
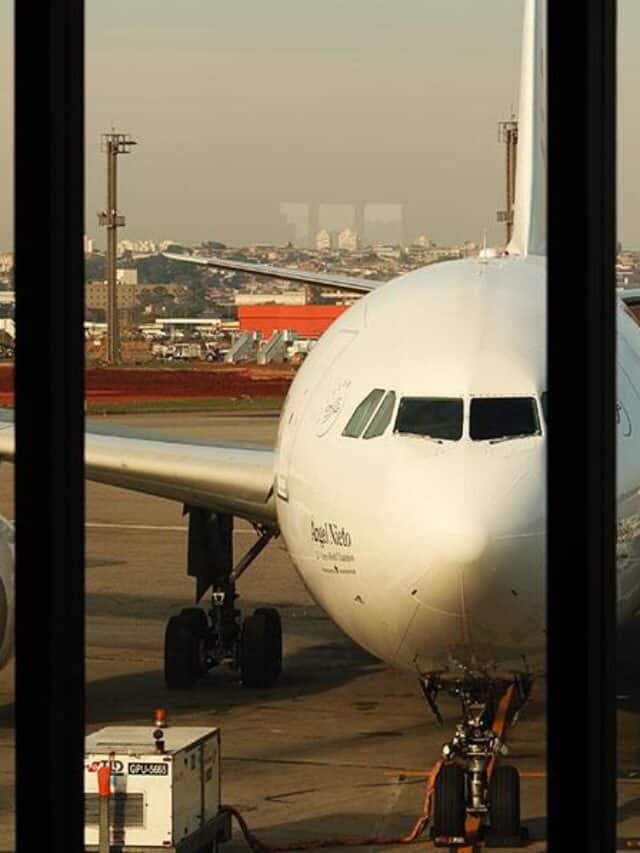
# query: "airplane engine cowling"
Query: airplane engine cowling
7,591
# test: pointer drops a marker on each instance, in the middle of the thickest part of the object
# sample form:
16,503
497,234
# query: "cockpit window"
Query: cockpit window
434,417
544,399
382,417
360,418
500,418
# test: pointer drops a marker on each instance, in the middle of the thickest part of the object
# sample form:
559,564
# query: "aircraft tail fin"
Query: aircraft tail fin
530,211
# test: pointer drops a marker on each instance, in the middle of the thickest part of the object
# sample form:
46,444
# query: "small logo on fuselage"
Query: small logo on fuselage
332,406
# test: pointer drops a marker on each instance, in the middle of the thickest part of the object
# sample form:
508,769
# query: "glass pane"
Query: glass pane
360,418
296,135
382,417
505,417
431,417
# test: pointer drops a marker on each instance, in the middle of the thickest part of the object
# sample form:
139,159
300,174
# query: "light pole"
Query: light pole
113,144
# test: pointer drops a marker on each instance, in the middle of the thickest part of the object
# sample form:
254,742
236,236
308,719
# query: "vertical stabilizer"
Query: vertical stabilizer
530,211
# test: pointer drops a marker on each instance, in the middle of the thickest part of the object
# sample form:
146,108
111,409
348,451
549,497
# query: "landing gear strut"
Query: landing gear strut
470,785
197,640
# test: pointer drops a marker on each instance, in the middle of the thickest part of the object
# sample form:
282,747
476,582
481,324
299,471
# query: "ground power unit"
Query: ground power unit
164,789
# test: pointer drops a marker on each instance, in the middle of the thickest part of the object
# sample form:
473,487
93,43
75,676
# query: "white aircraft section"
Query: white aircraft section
530,226
420,549
236,480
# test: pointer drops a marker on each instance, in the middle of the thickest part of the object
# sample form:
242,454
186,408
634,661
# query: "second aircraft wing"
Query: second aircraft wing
324,279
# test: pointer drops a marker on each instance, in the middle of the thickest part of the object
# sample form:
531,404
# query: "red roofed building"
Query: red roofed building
309,321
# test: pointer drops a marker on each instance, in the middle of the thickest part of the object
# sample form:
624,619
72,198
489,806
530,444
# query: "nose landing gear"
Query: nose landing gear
473,795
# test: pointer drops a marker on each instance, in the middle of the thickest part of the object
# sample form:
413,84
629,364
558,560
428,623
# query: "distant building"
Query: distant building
6,262
88,245
308,321
127,276
443,253
340,297
323,240
290,297
144,247
387,251
348,240
95,295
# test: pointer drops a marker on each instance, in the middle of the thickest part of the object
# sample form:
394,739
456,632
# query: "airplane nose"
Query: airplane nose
458,540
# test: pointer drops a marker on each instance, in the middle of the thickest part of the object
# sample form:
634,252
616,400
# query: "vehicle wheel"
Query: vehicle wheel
275,633
260,651
504,801
449,810
183,648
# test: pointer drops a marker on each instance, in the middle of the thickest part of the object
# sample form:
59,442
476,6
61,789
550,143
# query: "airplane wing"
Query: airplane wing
341,282
233,478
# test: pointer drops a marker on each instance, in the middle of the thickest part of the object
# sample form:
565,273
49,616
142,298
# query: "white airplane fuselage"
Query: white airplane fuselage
431,553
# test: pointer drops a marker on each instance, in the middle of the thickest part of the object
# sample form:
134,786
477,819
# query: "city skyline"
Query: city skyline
240,110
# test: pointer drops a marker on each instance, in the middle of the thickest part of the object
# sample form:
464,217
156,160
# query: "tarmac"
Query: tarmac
339,747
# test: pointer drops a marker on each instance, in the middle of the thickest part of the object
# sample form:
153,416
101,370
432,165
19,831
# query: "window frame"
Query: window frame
49,99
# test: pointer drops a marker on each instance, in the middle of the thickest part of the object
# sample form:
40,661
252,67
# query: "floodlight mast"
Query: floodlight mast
113,144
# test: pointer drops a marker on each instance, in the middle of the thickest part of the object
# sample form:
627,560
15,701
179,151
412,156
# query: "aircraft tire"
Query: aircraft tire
504,799
260,650
449,810
182,648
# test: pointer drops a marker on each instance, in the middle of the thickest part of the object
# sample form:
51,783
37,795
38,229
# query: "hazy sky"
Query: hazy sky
244,104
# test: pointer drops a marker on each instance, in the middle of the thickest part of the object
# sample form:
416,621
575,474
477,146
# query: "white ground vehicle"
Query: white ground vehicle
179,351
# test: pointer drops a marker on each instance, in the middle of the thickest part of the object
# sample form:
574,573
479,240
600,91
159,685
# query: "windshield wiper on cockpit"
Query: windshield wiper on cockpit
509,437
427,437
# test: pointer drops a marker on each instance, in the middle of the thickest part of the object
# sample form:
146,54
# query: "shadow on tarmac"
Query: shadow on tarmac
133,696
350,825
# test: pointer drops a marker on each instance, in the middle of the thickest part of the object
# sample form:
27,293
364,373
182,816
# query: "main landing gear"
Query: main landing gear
472,789
197,640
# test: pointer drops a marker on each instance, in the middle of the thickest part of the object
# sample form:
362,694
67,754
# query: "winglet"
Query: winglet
530,213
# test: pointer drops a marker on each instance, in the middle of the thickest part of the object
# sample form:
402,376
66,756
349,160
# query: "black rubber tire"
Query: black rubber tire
258,651
197,618
504,801
275,633
449,807
182,649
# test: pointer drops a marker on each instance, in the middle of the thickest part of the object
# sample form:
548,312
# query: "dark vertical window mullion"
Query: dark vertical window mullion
581,329
49,377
